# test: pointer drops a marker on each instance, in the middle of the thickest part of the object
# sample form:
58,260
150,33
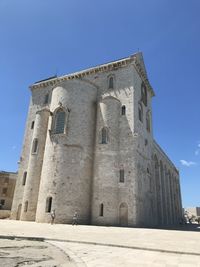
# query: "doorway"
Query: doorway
123,214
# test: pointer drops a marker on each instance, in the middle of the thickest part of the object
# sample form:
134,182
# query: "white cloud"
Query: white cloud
197,151
187,163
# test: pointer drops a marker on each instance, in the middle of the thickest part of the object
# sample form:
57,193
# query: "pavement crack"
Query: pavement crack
22,247
31,261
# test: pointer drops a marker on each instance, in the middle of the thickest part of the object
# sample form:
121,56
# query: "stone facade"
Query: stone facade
89,148
7,187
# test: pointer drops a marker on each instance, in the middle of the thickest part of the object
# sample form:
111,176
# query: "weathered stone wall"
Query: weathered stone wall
36,104
145,186
168,175
81,174
68,160
30,197
118,154
158,195
106,173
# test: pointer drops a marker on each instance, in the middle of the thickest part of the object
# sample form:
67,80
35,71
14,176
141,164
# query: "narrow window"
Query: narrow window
59,124
104,136
121,176
26,206
140,112
123,110
101,210
146,142
111,83
148,122
144,94
35,146
48,204
32,124
4,191
46,99
24,178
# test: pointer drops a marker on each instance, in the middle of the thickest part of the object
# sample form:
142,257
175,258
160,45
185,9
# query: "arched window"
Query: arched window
26,206
121,176
144,94
101,209
104,136
148,121
48,204
35,146
46,99
59,121
140,112
123,110
111,82
24,178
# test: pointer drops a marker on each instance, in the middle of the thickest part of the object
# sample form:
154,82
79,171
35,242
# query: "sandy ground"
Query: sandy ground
19,253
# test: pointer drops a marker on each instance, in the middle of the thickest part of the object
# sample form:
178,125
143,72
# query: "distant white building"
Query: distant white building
89,147
193,211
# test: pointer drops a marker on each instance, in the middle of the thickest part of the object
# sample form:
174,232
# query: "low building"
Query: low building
192,211
7,187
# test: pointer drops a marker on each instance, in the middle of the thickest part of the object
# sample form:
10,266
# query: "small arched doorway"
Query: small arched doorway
19,212
123,214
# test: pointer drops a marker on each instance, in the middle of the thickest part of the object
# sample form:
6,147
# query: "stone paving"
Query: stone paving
94,246
99,256
20,253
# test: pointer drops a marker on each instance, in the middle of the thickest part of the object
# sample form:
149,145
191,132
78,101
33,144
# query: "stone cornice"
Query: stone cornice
143,76
81,74
98,69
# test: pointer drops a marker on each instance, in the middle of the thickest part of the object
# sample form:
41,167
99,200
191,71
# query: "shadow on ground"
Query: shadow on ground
182,227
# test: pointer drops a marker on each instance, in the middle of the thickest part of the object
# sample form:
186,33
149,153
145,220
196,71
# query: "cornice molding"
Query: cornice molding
81,74
98,69
143,75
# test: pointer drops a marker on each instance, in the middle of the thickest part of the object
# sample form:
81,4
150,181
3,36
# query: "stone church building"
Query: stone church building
89,148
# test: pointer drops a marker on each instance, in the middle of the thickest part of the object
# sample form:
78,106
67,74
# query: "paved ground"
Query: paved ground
102,256
20,253
112,246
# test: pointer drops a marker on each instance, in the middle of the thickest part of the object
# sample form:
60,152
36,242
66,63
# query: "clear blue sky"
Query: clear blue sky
41,38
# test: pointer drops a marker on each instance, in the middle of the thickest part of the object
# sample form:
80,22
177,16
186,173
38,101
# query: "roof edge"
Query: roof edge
112,65
157,146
